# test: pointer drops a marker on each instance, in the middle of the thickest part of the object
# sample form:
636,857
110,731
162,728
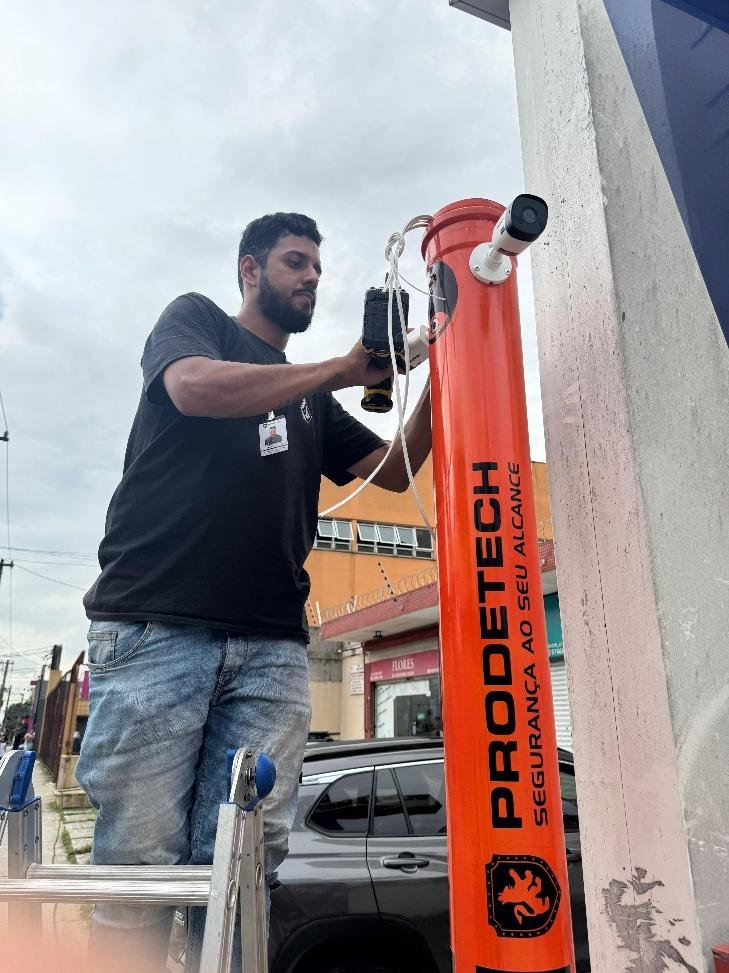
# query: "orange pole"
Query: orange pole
509,894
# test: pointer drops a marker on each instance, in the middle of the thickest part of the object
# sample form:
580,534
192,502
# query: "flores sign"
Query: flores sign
404,666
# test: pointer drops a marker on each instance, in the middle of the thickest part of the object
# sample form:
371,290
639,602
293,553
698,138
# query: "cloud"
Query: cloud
138,141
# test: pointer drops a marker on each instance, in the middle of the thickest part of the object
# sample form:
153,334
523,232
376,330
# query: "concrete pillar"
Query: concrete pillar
635,385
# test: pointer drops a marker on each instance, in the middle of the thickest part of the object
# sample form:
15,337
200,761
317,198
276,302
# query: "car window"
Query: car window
344,808
567,783
423,790
389,818
569,797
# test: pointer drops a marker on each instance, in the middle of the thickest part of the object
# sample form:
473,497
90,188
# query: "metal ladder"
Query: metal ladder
238,865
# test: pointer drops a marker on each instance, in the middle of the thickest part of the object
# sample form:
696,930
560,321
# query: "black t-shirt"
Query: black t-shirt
204,529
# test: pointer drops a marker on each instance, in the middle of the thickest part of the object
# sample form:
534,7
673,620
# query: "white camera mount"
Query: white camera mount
521,223
489,265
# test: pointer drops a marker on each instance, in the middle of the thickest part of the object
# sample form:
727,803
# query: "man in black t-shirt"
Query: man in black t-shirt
197,639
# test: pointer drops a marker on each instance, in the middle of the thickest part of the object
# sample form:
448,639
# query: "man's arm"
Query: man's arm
200,386
393,475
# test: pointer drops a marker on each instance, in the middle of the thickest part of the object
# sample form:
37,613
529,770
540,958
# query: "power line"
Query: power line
8,564
41,550
69,557
47,578
7,489
27,653
6,439
17,645
60,564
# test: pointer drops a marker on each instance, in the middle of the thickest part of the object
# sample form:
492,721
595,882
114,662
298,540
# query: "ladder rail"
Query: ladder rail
252,899
153,873
145,892
224,883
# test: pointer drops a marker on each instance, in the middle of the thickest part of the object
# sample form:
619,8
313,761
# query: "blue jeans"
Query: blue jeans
166,702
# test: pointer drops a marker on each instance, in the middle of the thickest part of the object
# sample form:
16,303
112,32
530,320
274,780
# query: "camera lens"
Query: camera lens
529,215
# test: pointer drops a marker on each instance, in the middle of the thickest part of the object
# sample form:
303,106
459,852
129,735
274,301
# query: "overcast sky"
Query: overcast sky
137,139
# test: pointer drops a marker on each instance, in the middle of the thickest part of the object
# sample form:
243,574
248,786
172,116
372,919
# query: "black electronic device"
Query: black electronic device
378,398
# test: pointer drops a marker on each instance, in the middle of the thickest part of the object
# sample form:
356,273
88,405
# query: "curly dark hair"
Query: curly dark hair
262,235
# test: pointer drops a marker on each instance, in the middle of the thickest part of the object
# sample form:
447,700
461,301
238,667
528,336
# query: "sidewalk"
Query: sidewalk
66,839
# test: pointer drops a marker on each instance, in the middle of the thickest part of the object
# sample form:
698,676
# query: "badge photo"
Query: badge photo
273,436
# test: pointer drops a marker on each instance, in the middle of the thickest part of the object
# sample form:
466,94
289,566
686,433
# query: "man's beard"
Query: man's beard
281,311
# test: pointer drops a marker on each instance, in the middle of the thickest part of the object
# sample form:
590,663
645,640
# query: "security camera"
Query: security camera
521,223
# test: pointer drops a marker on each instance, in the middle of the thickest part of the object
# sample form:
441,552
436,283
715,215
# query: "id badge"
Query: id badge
273,436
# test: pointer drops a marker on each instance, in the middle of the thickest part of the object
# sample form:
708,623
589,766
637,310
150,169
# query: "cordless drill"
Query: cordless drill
378,398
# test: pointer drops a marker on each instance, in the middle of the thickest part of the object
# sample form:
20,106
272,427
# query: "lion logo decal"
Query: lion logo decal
522,894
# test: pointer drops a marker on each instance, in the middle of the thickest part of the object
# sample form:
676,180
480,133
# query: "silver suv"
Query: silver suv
365,886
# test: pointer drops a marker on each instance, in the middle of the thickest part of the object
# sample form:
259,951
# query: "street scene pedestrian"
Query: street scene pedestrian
19,735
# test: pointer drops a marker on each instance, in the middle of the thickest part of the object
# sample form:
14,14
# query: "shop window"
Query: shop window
333,535
389,819
423,791
344,808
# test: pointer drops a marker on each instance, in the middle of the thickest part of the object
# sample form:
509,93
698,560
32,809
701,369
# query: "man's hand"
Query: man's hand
358,370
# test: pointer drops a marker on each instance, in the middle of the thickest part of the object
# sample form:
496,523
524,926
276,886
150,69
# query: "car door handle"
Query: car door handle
405,862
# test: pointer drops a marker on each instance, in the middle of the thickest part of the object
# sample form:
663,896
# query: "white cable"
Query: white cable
401,405
435,297
360,488
393,251
414,287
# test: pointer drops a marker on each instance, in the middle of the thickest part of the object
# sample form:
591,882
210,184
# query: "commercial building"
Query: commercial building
373,612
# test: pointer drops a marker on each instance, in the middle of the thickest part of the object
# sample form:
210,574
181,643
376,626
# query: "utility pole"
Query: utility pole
7,705
5,438
8,663
5,564
39,707
56,657
2,688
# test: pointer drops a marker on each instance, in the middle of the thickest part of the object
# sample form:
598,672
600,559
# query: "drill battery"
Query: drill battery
378,398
